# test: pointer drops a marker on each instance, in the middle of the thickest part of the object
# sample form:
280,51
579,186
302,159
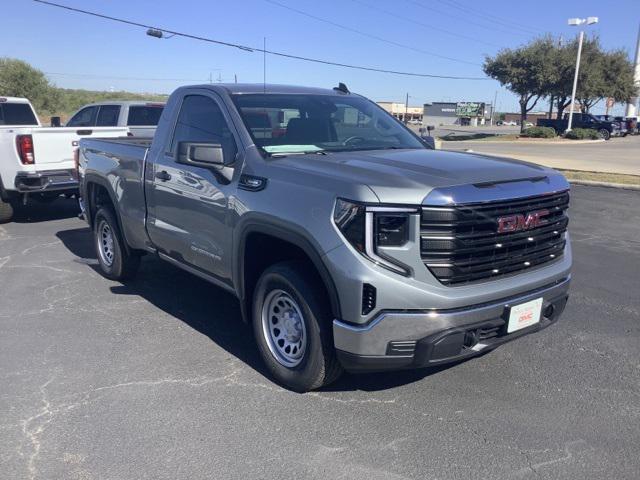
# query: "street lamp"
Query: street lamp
576,22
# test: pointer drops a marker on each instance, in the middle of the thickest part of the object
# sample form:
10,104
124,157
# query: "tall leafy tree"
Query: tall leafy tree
526,71
19,79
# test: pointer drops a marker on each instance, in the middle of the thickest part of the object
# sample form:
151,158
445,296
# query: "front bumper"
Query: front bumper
410,339
46,181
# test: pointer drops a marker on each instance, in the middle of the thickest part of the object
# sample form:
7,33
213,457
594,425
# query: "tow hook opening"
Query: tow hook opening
549,311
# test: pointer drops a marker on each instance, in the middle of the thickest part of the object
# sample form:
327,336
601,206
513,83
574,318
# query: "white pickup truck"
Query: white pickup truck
37,161
139,116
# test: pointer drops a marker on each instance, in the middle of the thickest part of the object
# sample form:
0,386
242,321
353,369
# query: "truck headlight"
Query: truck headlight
370,228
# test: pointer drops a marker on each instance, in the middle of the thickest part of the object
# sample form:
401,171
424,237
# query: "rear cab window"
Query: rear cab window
144,115
17,114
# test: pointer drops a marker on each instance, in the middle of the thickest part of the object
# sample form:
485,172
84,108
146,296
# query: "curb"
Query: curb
593,183
529,142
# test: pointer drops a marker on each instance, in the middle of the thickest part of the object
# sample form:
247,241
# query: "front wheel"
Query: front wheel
292,326
604,134
116,262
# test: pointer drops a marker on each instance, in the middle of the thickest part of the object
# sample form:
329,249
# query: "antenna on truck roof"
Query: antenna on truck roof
341,88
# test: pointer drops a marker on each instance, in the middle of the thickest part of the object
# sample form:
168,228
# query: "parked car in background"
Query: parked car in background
37,161
605,128
619,121
140,117
632,125
347,240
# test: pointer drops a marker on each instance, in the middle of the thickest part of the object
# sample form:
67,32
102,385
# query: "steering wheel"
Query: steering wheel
353,139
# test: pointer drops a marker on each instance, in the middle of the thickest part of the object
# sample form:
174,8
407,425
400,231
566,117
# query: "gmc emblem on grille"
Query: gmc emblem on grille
518,222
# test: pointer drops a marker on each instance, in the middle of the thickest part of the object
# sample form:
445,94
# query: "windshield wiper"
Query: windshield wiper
286,154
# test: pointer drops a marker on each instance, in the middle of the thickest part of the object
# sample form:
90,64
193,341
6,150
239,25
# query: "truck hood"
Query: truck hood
409,176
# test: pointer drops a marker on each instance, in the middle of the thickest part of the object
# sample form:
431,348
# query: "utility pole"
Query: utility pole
632,106
406,108
493,107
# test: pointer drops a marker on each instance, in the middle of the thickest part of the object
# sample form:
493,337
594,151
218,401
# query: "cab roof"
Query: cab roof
269,88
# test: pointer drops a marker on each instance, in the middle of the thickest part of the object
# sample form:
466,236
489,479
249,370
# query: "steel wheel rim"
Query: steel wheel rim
283,328
105,244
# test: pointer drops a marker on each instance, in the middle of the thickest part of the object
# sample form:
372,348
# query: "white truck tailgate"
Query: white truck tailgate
54,146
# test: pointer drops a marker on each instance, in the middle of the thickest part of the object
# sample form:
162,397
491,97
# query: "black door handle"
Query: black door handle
163,176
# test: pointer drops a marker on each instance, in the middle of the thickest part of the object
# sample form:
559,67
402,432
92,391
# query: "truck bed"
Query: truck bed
133,141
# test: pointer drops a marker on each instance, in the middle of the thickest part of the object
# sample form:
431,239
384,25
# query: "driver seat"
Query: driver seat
308,131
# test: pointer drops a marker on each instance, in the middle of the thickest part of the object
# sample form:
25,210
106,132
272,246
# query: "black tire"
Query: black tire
116,263
318,365
6,211
604,134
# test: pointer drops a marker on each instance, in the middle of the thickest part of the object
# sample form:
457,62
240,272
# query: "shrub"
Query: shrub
582,134
539,132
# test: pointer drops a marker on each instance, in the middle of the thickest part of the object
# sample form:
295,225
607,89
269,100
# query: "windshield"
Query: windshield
304,123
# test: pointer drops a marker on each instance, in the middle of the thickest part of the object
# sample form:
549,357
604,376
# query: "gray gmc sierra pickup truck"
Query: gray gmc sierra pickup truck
349,243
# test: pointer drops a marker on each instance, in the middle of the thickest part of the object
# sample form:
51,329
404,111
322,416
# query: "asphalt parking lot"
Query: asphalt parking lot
158,378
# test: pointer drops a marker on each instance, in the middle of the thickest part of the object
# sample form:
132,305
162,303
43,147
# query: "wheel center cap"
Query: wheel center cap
291,324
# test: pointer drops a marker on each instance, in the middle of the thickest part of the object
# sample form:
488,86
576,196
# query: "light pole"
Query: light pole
576,22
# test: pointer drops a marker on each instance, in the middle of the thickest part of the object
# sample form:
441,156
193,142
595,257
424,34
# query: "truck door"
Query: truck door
187,204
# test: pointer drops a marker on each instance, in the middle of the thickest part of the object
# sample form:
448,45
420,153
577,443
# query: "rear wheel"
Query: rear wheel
604,134
115,261
292,326
6,211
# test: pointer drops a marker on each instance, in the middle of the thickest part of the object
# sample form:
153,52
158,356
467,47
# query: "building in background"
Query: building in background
400,109
532,117
457,113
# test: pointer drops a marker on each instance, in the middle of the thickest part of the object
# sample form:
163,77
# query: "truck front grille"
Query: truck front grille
461,244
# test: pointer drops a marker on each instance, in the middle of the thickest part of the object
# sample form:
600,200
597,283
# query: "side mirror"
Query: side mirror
55,121
430,128
430,142
201,154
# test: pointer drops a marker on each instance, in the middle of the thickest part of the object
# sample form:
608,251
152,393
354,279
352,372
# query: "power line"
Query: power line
458,18
493,18
369,35
425,25
254,49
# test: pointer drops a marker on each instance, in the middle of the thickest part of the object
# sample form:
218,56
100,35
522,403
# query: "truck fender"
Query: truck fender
90,207
285,231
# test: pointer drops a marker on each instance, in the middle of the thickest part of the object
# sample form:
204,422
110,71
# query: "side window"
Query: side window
201,120
108,116
84,118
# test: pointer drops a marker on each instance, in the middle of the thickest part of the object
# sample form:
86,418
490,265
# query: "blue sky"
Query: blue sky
410,38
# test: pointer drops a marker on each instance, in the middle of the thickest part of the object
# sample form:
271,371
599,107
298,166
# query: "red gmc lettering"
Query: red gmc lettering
518,222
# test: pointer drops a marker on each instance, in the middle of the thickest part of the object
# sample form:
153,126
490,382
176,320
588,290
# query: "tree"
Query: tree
526,71
19,79
602,74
